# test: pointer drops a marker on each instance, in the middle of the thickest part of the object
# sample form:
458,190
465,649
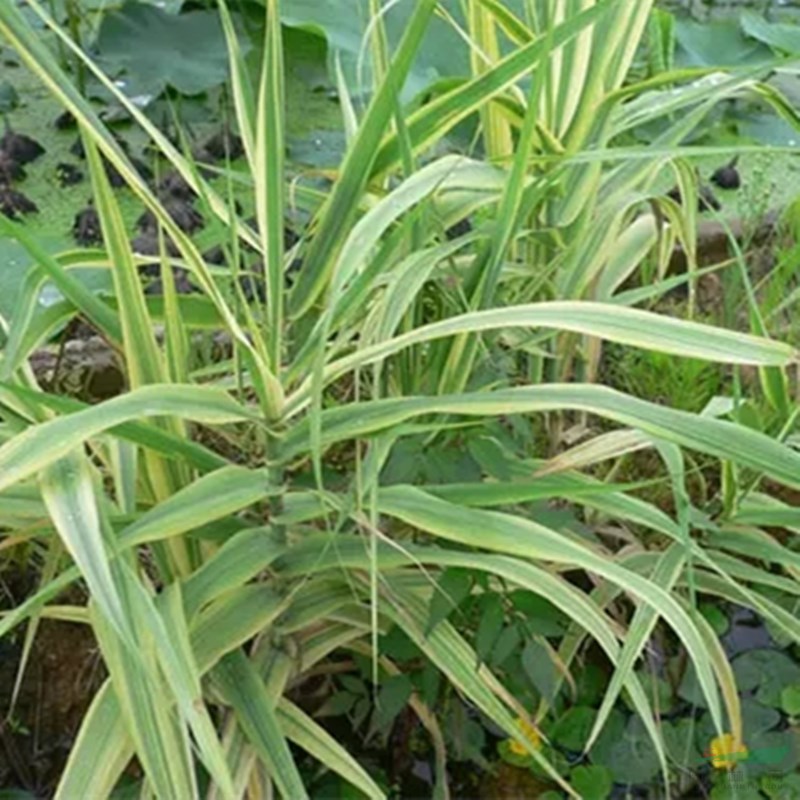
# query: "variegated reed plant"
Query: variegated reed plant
218,586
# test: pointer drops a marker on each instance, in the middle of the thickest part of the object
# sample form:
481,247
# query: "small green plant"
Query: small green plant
688,384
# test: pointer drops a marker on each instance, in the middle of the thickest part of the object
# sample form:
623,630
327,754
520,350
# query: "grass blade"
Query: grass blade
341,208
724,440
44,444
511,535
315,740
242,687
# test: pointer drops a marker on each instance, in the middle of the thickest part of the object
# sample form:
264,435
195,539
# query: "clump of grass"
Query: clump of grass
224,573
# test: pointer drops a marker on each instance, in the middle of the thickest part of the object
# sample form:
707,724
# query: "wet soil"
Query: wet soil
63,672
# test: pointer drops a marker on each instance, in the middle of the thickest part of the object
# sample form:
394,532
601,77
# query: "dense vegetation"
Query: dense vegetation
457,433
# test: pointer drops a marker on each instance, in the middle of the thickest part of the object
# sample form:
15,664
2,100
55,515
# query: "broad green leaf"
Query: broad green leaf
451,589
766,672
780,36
790,700
151,50
592,782
442,54
490,625
716,43
541,671
9,98
392,698
573,728
626,751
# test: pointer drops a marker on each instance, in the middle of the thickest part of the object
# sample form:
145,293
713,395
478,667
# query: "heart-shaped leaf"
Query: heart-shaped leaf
154,49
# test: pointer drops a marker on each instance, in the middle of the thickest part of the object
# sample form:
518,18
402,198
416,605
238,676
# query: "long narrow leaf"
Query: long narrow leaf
245,691
44,444
724,440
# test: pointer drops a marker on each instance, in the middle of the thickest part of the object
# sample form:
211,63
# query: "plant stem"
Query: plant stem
62,53
73,22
